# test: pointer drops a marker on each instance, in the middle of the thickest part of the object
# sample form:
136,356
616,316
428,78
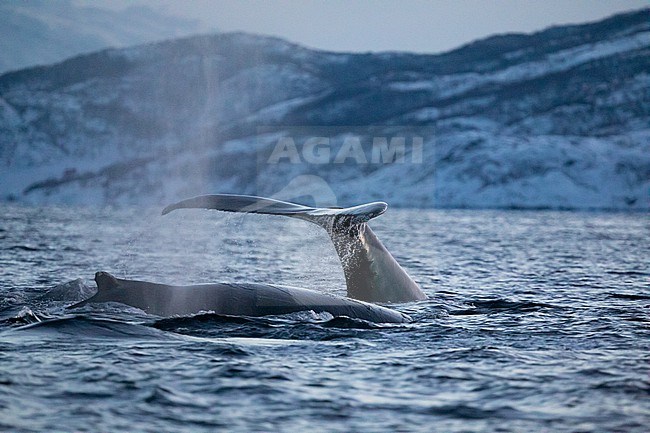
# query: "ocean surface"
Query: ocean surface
537,322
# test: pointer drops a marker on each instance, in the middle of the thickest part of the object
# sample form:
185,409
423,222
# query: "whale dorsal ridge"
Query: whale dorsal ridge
106,281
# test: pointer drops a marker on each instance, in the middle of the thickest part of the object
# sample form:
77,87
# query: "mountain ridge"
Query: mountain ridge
44,32
554,119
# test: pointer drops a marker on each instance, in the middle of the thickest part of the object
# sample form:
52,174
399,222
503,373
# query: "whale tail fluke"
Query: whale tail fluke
331,217
371,272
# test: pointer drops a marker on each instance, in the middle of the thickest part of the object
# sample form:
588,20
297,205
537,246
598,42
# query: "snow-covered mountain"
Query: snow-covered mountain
39,32
558,119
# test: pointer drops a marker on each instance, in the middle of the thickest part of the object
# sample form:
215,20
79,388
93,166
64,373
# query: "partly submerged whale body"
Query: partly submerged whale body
233,299
371,272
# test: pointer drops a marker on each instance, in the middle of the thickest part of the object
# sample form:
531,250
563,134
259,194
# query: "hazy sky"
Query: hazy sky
380,25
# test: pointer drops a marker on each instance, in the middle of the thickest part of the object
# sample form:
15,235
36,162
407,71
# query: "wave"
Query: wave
71,291
23,317
628,273
469,412
119,324
294,326
629,296
633,387
493,306
28,248
82,328
323,319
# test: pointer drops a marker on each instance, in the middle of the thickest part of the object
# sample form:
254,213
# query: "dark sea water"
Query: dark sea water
537,322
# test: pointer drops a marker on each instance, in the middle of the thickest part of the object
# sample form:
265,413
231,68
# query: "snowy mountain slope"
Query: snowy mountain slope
555,119
38,32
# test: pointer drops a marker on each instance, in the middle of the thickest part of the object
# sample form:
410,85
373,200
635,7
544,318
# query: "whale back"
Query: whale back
232,299
371,273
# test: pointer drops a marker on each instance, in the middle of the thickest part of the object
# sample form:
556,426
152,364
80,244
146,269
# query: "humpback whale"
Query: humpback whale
371,273
233,299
